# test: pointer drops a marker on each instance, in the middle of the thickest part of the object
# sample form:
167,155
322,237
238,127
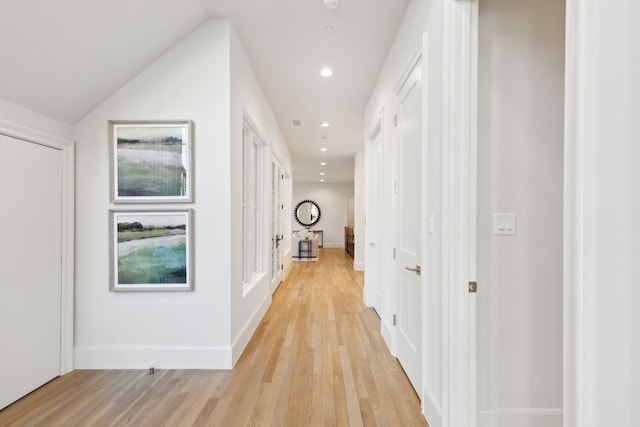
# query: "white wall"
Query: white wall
332,199
422,16
168,330
358,231
602,207
520,155
248,99
206,78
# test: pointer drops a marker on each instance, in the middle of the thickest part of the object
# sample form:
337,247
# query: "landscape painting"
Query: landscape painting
151,161
151,250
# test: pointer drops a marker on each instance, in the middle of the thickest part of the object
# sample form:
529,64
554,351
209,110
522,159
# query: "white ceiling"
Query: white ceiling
62,58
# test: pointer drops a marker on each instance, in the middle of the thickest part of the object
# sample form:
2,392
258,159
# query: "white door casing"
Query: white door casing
601,269
433,301
459,86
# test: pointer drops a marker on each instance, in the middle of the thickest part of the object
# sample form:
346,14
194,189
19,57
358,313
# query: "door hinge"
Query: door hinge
394,253
281,267
473,287
395,120
282,177
394,320
281,207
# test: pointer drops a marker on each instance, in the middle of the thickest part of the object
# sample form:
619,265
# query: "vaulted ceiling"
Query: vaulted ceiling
62,58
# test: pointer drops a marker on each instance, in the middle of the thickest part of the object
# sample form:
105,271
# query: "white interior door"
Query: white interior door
409,244
373,228
277,223
30,266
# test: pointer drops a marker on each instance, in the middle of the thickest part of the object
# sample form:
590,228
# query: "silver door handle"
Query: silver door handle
372,243
415,270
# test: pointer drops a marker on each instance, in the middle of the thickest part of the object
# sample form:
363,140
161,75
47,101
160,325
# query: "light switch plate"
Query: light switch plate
504,224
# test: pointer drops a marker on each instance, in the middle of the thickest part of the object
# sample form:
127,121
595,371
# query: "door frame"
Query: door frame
374,137
459,163
281,273
67,147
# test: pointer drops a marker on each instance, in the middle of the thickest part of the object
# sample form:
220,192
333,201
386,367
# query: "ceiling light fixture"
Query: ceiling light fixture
326,72
323,149
322,173
328,29
324,124
322,180
323,164
330,4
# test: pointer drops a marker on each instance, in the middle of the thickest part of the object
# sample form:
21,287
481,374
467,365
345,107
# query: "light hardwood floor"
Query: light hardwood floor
317,359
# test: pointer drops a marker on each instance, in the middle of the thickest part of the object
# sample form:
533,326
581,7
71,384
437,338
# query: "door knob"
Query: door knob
372,243
415,270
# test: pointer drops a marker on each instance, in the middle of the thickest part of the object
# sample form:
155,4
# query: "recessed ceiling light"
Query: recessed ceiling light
324,124
323,164
329,29
326,72
322,180
323,149
322,173
330,4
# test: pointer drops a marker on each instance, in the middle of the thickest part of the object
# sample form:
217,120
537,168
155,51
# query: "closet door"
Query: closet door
30,266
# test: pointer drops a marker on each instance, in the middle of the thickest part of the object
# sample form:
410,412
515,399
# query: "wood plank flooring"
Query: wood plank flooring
317,359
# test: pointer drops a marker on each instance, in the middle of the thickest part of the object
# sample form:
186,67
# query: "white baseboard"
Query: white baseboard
358,266
431,408
520,417
241,341
333,245
387,335
144,357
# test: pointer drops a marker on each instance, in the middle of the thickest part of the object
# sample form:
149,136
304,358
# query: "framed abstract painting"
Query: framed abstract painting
151,161
151,250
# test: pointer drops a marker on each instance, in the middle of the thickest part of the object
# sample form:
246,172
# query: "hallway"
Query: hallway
317,358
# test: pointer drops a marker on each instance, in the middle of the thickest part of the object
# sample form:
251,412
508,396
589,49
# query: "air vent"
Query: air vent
296,123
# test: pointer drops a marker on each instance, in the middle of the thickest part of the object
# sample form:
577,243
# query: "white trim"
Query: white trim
388,332
430,408
516,417
473,209
68,260
521,411
574,214
431,412
415,57
33,135
458,56
242,339
256,194
332,245
143,357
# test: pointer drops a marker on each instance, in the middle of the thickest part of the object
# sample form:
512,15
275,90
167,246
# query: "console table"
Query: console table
320,236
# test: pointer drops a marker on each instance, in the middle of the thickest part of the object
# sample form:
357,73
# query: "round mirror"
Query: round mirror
307,213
